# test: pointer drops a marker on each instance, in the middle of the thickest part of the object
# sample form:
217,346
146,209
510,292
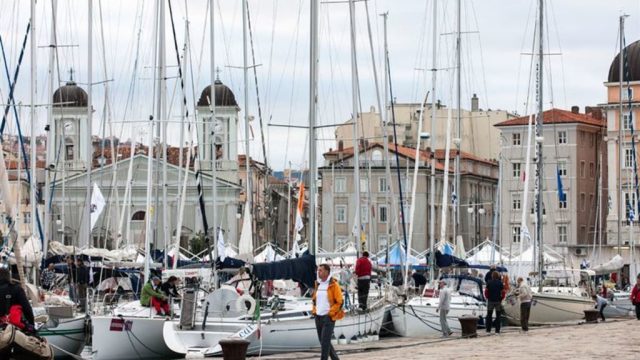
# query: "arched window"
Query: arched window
138,216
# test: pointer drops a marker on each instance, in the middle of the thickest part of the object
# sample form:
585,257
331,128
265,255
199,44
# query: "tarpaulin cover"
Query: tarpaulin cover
301,269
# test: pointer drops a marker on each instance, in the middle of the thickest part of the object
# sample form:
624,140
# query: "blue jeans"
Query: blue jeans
324,327
72,293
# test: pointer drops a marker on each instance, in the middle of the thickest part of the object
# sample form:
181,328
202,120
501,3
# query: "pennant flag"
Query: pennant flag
221,247
97,204
299,224
523,176
561,195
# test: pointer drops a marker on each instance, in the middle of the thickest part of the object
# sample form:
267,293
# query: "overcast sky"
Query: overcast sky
582,35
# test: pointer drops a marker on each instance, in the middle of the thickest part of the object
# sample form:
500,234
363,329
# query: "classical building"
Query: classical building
621,154
381,223
68,177
479,136
574,155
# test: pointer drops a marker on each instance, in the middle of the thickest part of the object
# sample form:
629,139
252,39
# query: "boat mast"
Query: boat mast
245,75
89,143
432,176
620,138
458,141
539,141
162,112
32,110
313,112
354,117
50,142
214,152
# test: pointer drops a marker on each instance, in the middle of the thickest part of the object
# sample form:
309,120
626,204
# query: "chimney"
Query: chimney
340,146
575,109
474,103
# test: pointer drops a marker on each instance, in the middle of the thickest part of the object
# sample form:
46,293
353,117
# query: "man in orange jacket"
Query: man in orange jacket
327,307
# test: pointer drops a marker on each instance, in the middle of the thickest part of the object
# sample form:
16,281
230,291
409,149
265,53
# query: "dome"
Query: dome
224,95
70,95
633,61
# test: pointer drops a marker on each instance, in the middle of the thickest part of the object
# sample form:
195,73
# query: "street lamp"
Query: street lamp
479,209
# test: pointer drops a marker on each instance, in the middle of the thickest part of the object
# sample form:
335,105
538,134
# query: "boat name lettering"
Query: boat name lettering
120,325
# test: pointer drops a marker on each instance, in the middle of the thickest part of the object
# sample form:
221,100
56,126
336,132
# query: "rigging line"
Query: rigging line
395,144
255,77
557,31
268,99
484,74
522,44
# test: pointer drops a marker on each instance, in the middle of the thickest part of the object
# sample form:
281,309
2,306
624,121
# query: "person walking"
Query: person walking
494,294
48,277
524,294
444,304
327,308
363,271
635,297
601,303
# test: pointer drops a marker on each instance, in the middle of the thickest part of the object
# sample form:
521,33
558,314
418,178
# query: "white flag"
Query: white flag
221,247
97,204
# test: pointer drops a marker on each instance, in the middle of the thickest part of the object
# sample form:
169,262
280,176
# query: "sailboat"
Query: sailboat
549,305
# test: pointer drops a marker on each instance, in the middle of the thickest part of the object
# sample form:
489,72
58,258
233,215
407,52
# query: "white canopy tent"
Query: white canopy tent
487,253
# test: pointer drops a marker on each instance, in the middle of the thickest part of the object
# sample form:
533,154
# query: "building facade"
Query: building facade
574,156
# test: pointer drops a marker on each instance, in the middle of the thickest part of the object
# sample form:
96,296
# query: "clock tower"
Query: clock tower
68,148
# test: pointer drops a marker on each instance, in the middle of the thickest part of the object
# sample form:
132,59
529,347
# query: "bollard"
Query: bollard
591,315
469,325
234,348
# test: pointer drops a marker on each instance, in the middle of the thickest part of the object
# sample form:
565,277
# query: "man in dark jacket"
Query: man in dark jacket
494,294
487,276
82,279
14,305
169,287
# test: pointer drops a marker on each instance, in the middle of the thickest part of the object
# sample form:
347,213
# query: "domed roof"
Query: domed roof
70,95
224,95
633,64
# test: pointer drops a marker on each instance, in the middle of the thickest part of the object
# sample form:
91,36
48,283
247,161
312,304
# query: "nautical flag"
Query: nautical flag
454,197
561,195
97,204
221,248
630,213
523,176
299,224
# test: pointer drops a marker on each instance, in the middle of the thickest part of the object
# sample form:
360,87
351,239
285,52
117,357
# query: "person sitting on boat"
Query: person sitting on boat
169,287
14,305
152,296
363,271
601,303
48,277
419,280
327,304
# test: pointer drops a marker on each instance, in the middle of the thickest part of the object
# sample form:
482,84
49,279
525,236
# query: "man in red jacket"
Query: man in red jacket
363,271
635,297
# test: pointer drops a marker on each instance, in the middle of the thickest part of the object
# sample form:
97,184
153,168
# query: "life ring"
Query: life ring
246,304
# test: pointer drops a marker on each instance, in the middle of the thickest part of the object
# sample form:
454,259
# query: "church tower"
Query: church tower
68,131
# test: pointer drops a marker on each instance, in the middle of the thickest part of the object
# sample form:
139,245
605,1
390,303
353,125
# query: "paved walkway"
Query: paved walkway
612,339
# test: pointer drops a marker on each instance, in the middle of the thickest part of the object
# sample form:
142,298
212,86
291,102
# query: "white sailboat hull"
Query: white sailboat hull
419,318
116,337
68,334
549,308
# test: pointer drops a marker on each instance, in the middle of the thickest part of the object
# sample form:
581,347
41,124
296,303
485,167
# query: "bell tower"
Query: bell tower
69,129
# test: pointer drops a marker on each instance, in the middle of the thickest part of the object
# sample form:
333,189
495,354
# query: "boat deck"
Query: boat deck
613,338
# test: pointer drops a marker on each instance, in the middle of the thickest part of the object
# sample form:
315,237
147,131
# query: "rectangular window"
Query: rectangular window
630,203
628,158
627,94
562,168
516,170
27,217
341,185
592,170
382,242
562,234
382,185
583,201
583,169
364,214
364,185
626,121
516,202
562,137
515,139
69,152
341,214
515,234
383,214
563,204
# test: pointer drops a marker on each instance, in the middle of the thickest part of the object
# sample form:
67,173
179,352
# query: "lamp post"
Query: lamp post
476,210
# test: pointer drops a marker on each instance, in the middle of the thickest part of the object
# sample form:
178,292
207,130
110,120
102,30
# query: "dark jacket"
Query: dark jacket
82,275
487,276
494,291
169,289
13,294
419,279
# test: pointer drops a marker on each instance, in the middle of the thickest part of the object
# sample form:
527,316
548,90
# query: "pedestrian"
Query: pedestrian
14,305
444,304
363,271
48,277
494,294
82,279
635,297
327,307
600,303
487,276
152,296
524,294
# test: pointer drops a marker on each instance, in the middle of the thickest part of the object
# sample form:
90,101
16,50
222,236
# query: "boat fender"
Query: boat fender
246,304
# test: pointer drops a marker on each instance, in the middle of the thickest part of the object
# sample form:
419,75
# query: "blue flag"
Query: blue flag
561,195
